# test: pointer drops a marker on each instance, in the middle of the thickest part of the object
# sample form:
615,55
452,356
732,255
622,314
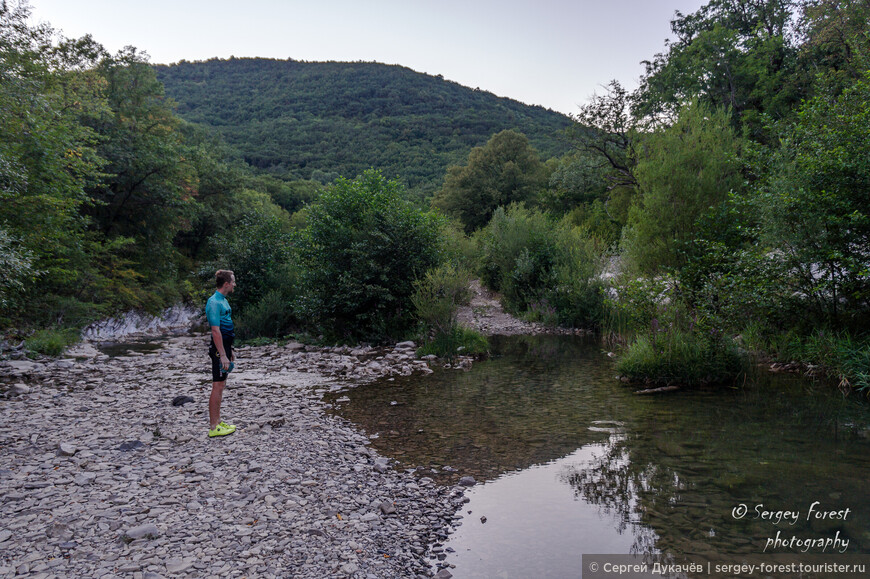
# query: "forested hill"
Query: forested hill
318,120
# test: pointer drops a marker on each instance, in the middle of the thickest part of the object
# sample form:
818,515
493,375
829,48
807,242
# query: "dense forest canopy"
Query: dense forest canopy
321,120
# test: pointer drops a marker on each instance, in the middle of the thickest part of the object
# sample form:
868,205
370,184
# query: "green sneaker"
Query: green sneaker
225,425
221,429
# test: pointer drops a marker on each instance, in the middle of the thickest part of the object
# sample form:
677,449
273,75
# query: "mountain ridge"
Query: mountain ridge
319,120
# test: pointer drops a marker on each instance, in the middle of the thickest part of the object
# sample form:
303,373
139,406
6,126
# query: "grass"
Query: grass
837,354
51,342
456,341
678,357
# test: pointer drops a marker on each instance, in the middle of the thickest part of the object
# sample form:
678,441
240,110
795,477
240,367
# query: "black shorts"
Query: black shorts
217,373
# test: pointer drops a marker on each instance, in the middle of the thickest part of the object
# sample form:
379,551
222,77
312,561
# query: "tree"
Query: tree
734,54
606,130
47,157
505,170
148,191
834,38
816,209
682,171
362,250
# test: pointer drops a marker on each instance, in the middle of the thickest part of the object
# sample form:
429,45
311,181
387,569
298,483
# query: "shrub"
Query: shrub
518,255
676,356
438,294
363,248
459,249
271,317
261,253
578,294
51,342
664,340
458,340
534,261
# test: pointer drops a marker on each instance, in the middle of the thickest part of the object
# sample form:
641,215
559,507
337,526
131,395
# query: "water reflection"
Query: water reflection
606,471
531,403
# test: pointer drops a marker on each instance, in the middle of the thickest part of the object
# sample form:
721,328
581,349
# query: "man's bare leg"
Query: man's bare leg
214,403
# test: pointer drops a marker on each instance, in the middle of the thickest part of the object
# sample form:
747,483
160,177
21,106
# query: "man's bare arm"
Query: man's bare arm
219,344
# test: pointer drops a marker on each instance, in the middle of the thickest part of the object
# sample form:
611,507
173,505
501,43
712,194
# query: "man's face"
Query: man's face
228,287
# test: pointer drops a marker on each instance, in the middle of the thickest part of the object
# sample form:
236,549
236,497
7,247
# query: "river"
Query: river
570,462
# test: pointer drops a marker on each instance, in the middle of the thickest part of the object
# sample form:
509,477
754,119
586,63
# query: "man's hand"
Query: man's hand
225,362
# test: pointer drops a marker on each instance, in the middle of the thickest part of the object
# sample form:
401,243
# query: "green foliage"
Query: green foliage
663,339
51,342
459,249
577,295
270,317
633,304
815,208
146,192
316,121
536,263
732,55
261,253
676,357
16,263
597,221
517,255
458,340
506,170
836,39
363,247
682,171
729,275
47,157
292,196
437,295
578,179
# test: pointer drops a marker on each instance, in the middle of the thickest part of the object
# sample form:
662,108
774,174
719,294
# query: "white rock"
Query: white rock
66,449
19,389
146,530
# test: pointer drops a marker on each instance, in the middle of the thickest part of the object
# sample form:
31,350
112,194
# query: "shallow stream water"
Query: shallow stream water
569,461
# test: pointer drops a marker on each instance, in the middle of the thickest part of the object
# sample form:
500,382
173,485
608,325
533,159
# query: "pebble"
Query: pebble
142,531
295,491
66,449
19,389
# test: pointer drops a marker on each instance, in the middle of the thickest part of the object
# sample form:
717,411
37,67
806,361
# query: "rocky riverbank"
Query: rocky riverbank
101,475
486,315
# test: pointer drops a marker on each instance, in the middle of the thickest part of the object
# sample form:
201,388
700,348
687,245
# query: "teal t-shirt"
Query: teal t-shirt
219,313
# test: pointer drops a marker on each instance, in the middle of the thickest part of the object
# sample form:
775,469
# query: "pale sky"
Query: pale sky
554,53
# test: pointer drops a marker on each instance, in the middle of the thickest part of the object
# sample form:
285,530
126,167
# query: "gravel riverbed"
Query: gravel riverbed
102,476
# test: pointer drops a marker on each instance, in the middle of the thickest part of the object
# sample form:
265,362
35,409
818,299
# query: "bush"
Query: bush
458,340
675,356
261,252
578,294
363,248
666,341
538,264
51,342
459,249
518,255
438,294
271,317
681,171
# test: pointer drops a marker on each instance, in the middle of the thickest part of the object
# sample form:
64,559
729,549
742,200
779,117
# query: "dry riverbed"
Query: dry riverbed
102,476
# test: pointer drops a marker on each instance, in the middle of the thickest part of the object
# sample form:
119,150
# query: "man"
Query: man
219,315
